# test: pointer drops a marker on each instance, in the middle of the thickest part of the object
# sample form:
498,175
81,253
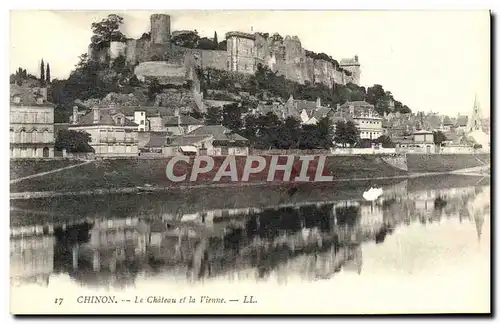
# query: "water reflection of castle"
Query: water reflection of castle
314,241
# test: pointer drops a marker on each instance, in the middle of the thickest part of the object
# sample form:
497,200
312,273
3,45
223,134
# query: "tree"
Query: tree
405,110
385,141
291,134
222,46
439,138
231,117
216,41
206,44
42,71
310,137
154,88
119,64
189,39
83,61
324,132
269,129
106,31
213,116
73,141
134,81
346,133
47,74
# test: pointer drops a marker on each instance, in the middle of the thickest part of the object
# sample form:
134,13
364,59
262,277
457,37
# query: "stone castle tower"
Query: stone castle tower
353,66
240,51
160,29
474,122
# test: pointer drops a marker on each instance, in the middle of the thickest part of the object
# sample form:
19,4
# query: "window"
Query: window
46,136
142,114
142,122
23,136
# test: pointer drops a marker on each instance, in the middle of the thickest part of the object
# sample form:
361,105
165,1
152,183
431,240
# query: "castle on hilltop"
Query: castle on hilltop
245,51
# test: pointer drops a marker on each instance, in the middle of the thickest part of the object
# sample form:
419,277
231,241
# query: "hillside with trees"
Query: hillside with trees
266,82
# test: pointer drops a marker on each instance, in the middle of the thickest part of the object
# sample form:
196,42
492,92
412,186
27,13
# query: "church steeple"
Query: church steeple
474,123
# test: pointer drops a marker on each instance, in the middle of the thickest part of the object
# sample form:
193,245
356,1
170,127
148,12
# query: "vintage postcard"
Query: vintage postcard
250,162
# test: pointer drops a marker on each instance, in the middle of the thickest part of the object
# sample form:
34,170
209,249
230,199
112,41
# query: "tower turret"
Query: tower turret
160,29
352,65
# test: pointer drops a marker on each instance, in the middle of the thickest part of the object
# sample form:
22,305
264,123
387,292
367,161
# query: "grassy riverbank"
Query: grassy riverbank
127,173
107,174
444,162
20,168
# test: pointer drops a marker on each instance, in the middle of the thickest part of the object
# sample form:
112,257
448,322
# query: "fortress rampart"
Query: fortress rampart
244,52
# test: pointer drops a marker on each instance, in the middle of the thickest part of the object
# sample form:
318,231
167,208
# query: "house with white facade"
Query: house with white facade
112,134
365,117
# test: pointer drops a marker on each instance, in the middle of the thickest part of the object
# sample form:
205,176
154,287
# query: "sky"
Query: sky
430,60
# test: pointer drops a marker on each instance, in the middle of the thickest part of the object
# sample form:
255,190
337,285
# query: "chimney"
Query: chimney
95,110
338,107
385,114
318,102
75,115
351,109
176,112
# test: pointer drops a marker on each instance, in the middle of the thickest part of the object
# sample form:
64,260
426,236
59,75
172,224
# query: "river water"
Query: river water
423,246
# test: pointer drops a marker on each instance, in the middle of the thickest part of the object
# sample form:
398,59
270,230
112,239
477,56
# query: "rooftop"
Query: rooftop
27,96
219,133
150,110
184,120
240,34
107,116
188,139
321,112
